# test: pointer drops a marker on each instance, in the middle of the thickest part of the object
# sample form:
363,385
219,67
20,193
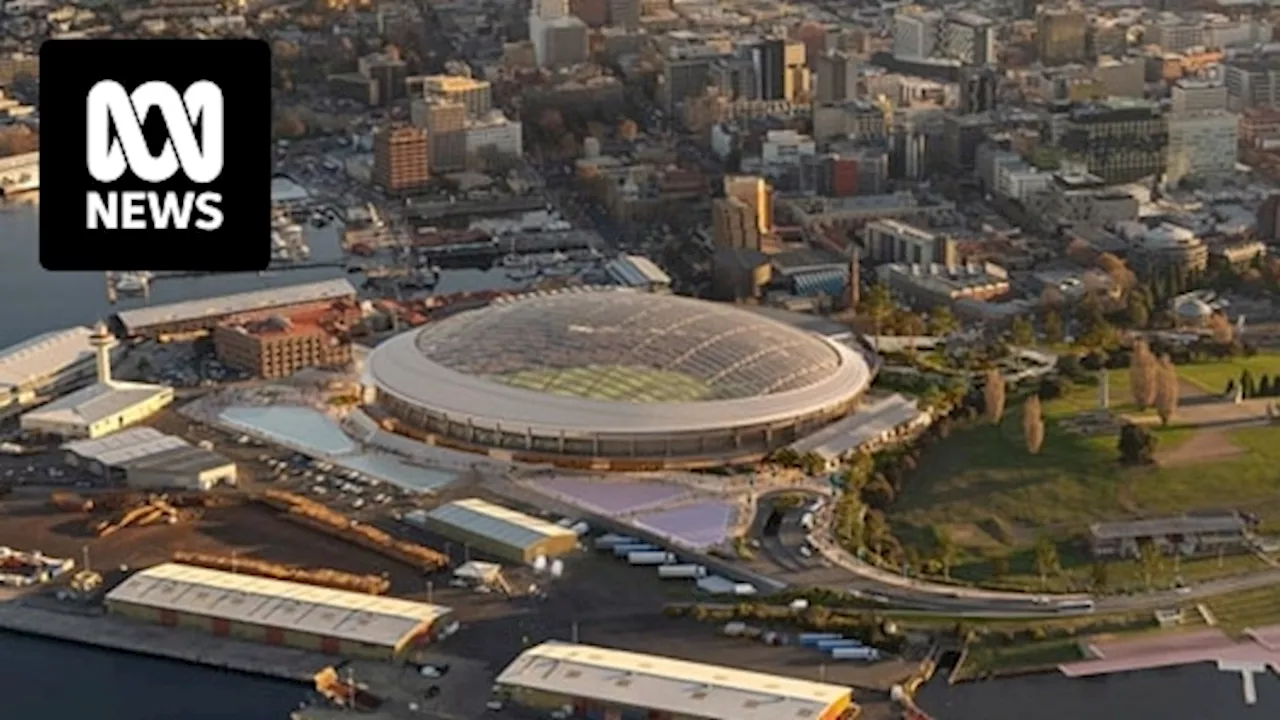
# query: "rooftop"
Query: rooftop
1187,525
142,318
675,686
865,425
262,601
96,402
44,355
188,460
637,271
128,444
496,522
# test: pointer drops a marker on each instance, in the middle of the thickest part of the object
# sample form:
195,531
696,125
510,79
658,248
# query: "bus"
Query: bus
1076,606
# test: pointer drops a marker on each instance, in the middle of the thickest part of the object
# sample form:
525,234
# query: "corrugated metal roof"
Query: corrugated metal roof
44,356
637,271
865,425
185,460
674,686
495,522
337,614
126,445
142,318
96,402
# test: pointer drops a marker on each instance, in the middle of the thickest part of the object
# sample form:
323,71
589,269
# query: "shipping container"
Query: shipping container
651,557
681,572
624,550
811,639
855,653
825,645
607,542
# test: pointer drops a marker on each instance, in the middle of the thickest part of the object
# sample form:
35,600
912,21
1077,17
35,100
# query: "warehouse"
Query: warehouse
144,457
48,364
601,682
495,530
335,622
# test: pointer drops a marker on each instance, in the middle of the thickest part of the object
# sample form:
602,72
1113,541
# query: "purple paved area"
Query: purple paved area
699,525
609,498
1170,651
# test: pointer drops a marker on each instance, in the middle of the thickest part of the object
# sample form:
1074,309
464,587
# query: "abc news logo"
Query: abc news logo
110,155
166,145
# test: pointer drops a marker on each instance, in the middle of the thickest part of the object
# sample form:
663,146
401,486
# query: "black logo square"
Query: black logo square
156,155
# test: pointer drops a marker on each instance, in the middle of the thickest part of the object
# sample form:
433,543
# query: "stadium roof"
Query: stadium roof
126,445
339,614
616,361
43,356
142,318
495,522
678,687
96,402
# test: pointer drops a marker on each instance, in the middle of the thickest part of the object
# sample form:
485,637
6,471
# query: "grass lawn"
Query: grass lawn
1246,609
995,498
987,660
1213,377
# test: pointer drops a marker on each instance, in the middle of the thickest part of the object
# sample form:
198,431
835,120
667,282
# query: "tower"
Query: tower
102,342
855,279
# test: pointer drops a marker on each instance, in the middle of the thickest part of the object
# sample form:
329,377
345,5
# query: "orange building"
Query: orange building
279,345
401,159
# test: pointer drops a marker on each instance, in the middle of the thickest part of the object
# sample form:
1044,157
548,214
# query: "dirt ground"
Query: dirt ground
1206,445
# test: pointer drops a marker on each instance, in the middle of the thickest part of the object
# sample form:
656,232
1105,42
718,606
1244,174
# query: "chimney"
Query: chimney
102,342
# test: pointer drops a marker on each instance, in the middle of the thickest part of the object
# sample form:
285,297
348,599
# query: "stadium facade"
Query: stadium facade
614,378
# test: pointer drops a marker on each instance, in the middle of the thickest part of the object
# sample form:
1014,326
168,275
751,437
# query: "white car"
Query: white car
805,551
431,671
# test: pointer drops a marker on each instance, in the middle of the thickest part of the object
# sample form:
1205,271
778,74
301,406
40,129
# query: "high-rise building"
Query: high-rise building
400,159
1252,83
686,71
969,38
559,39
1202,146
1120,140
755,192
979,89
387,73
625,14
476,95
733,224
446,123
770,60
925,34
1062,36
1188,95
836,77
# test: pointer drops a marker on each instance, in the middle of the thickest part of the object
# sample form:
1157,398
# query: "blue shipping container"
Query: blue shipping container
812,639
841,643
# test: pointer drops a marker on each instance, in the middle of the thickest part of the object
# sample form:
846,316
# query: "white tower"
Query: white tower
102,342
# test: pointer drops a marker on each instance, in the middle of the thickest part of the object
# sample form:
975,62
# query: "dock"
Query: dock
274,268
171,643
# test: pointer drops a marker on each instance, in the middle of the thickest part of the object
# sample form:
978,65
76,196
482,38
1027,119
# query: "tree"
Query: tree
993,392
1138,310
628,130
1221,329
875,531
1046,558
942,322
1053,331
1137,445
1101,575
1166,390
879,492
1000,566
945,550
1021,333
878,305
1142,374
1247,386
1149,560
1121,276
1033,424
849,516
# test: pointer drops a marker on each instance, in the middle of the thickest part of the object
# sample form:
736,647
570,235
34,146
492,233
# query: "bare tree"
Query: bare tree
993,393
1224,333
1166,390
1115,268
1142,374
1033,424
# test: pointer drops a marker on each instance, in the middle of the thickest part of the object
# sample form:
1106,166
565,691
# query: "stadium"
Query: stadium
614,378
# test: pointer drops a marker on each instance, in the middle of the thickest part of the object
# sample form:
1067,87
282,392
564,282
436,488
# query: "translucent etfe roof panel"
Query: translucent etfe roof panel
300,428
697,525
611,498
628,347
260,601
44,355
126,445
142,318
495,522
674,686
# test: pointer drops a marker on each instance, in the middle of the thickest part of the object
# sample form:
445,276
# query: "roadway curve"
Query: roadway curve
837,569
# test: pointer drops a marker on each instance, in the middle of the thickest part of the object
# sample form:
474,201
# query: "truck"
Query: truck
736,628
868,654
744,589
681,572
609,541
625,550
806,521
651,557
825,645
811,639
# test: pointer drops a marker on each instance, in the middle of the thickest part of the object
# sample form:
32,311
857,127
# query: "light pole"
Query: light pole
85,550
431,588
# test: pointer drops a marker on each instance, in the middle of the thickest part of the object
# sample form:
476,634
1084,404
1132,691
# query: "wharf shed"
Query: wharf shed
496,530
144,457
48,364
606,683
277,612
201,316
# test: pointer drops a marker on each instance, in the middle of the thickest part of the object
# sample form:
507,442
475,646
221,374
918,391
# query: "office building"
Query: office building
755,192
401,159
888,241
969,38
686,73
1252,83
733,224
1202,146
445,123
1120,140
979,89
494,134
386,73
1062,36
964,38
559,39
476,95
836,77
1188,95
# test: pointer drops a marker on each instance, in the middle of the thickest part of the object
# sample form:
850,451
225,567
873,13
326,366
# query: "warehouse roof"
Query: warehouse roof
43,356
637,271
126,445
338,614
185,460
96,402
496,522
142,318
674,686
867,424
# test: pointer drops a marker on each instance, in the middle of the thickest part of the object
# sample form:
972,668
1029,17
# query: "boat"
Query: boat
513,260
523,275
132,283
